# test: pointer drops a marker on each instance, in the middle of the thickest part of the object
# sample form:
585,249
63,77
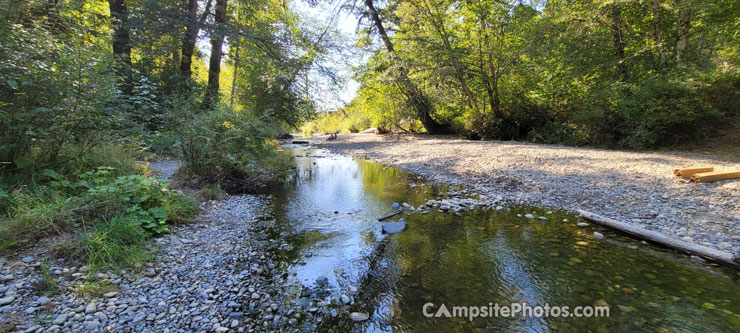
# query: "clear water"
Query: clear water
474,259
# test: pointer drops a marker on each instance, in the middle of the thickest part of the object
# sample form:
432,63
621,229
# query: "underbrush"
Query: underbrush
112,211
230,148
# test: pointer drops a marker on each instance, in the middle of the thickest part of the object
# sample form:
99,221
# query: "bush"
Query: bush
231,148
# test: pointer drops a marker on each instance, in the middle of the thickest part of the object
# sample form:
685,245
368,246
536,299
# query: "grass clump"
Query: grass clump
95,288
118,242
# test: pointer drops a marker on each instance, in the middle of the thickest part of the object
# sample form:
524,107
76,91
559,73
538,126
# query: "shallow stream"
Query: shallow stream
331,209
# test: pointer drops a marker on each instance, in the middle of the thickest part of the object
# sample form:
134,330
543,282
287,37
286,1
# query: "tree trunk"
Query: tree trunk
684,24
418,100
233,79
192,29
217,41
658,34
618,41
121,36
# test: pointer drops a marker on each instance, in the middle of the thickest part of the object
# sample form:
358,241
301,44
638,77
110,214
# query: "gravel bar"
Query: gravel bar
215,275
633,187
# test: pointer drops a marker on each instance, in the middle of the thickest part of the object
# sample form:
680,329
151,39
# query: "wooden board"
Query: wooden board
688,172
708,177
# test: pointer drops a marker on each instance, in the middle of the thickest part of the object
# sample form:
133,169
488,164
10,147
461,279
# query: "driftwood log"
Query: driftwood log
390,215
718,256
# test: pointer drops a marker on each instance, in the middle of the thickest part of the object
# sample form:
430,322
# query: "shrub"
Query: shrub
231,148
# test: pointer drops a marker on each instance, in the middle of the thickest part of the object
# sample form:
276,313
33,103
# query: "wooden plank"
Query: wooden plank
688,172
707,177
719,256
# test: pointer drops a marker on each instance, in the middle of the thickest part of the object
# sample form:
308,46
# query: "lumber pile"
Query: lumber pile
706,174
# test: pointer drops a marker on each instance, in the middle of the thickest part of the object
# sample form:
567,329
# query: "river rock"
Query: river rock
358,316
6,300
582,224
110,294
394,227
529,216
598,235
395,205
61,319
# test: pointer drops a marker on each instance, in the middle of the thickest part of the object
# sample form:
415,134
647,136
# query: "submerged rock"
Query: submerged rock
598,235
395,205
394,227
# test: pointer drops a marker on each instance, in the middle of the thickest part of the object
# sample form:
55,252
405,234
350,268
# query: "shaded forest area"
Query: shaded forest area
90,89
619,73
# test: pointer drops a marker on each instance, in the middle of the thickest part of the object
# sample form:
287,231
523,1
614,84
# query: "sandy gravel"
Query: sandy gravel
630,186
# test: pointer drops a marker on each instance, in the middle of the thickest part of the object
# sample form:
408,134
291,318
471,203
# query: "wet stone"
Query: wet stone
394,227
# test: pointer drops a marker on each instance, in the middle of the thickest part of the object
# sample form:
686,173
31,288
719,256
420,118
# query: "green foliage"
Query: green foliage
33,214
53,91
94,196
230,148
554,72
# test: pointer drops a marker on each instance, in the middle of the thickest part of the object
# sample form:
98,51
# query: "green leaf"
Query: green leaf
158,212
4,194
22,162
12,83
51,174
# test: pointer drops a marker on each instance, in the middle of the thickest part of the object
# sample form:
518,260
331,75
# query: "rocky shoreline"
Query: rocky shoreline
220,274
634,187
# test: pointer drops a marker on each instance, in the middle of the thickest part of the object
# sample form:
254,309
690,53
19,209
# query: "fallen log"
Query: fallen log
708,177
381,219
688,172
718,256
